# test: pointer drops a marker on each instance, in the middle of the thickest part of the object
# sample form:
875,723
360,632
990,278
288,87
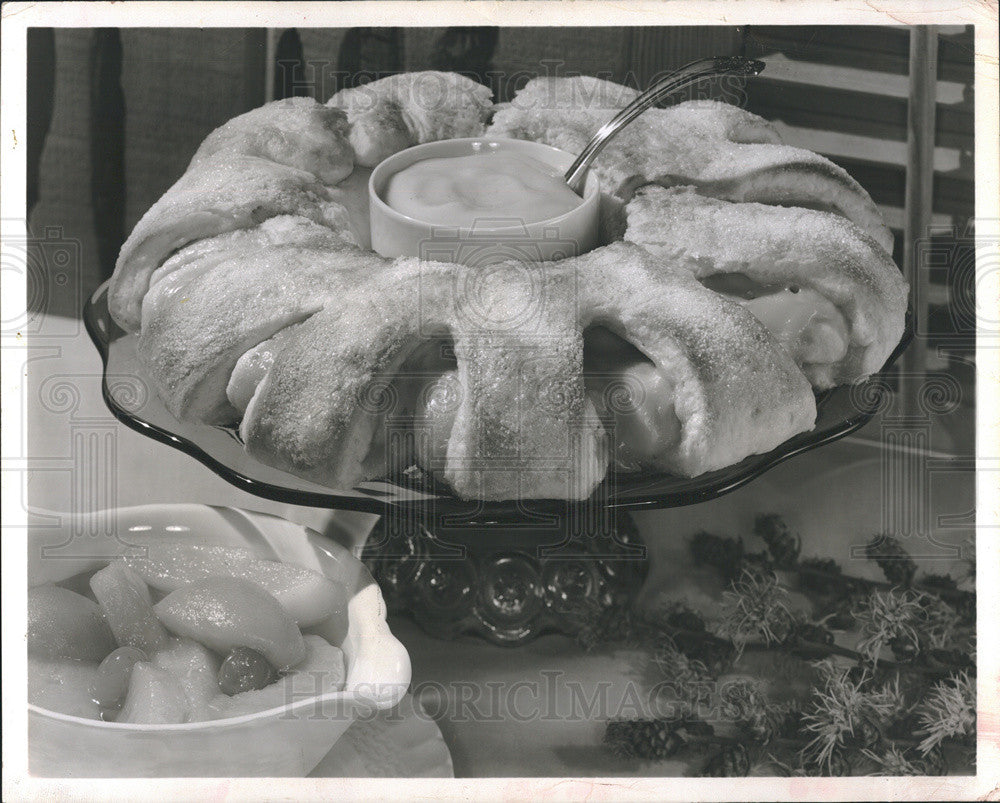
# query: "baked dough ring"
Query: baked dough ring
252,259
775,245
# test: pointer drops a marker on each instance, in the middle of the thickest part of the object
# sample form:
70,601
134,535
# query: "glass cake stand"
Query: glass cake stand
504,570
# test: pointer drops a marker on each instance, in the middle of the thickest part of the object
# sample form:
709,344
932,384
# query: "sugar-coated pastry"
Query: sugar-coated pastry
679,140
283,158
214,197
504,443
393,113
298,132
523,424
781,175
826,290
200,318
580,95
202,255
734,394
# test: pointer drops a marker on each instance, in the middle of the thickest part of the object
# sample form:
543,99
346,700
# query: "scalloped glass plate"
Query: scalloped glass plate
840,411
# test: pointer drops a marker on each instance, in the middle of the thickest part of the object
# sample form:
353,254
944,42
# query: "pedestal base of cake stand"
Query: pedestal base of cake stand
507,580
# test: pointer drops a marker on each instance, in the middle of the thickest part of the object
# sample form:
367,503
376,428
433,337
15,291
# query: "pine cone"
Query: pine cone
598,626
652,739
904,649
867,734
933,763
808,631
782,543
765,725
723,554
715,653
683,618
938,582
894,561
838,766
732,761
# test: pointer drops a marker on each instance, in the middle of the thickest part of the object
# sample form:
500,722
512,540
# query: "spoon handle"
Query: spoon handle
684,77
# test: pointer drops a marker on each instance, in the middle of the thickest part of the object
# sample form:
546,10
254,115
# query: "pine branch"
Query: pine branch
728,556
952,595
817,650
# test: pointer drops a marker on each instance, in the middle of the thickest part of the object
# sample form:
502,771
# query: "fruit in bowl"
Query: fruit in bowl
196,641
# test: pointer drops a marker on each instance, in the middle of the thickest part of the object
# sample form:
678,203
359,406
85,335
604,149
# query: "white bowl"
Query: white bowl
280,742
489,241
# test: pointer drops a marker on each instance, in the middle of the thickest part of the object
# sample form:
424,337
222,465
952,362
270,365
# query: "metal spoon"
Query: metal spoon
682,78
